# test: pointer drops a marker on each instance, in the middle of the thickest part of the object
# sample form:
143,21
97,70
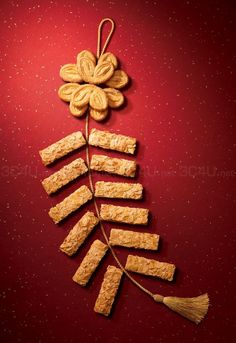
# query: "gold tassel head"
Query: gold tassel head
193,309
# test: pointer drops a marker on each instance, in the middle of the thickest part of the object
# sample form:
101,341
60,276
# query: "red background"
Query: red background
180,56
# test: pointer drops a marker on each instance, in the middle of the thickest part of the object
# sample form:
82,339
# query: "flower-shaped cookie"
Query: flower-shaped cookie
88,80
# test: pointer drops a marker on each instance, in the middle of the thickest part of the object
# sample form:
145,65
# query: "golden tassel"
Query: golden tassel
193,309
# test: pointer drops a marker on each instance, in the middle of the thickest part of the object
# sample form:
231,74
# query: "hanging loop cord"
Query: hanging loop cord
99,53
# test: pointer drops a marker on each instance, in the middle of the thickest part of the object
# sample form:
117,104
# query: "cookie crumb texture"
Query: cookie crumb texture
90,262
133,239
62,147
123,214
70,204
112,141
79,233
111,165
108,290
150,267
65,175
118,190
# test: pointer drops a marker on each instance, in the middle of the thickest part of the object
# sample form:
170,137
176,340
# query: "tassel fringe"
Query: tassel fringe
193,309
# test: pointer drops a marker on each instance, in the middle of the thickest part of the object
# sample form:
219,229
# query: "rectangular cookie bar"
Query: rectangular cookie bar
90,262
113,165
133,239
62,147
112,141
108,290
65,175
123,214
118,190
70,204
79,233
146,266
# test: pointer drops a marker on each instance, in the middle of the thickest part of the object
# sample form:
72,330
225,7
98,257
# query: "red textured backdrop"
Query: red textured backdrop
180,56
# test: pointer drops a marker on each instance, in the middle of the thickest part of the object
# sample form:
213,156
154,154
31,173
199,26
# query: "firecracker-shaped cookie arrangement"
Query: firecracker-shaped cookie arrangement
92,86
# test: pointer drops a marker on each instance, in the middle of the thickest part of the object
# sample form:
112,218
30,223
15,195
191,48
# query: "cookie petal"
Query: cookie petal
77,111
69,72
98,115
65,91
80,96
103,72
86,69
98,99
88,54
115,97
118,80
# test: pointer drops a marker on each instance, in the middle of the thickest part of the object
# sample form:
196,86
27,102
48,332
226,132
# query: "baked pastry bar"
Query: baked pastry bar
150,267
123,214
90,262
79,233
120,190
133,239
62,147
111,165
108,290
112,141
70,204
65,175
